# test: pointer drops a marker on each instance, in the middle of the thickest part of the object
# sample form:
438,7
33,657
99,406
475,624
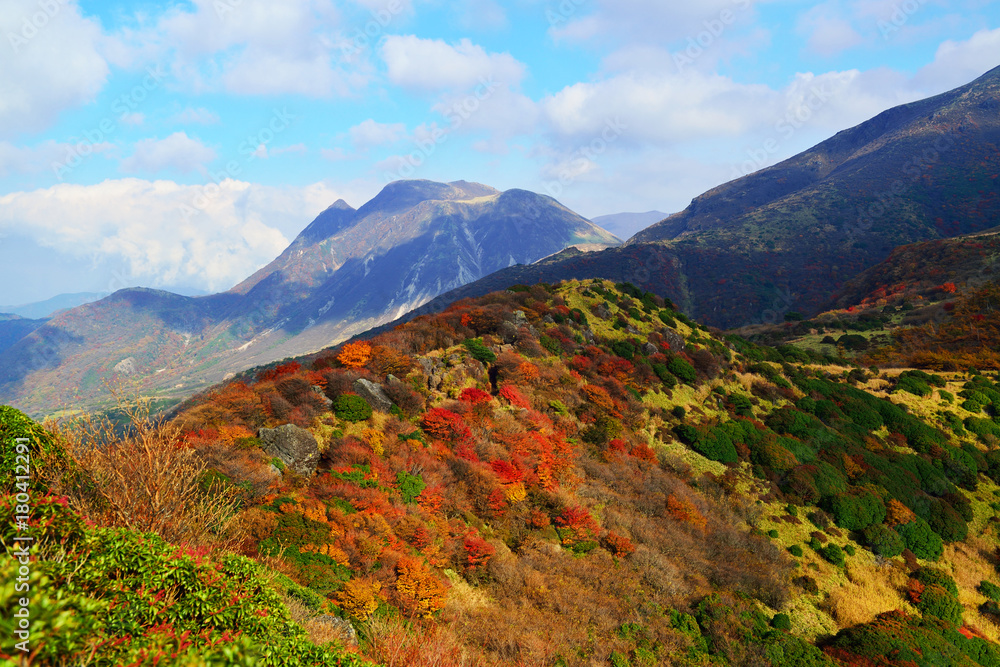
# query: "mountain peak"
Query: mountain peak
340,205
401,195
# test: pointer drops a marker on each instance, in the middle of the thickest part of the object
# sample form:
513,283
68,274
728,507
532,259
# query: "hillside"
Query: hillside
789,237
931,305
15,327
584,458
348,271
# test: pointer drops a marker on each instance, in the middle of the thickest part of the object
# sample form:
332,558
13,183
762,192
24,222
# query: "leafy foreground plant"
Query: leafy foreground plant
112,596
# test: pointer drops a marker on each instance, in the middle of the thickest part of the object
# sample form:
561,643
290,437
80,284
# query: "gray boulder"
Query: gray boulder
295,446
675,340
649,349
508,332
374,394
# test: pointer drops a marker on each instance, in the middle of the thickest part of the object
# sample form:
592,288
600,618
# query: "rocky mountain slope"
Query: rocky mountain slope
788,237
349,270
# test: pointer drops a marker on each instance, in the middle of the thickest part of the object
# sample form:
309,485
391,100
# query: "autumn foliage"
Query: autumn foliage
355,355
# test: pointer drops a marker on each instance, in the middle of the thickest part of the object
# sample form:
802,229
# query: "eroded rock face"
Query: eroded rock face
374,394
294,445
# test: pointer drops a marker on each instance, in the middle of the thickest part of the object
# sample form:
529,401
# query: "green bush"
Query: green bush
857,509
479,351
795,550
936,601
990,590
932,576
623,349
975,407
96,595
982,427
921,540
913,385
833,554
549,343
352,408
883,540
666,377
683,370
678,411
667,318
410,486
781,622
717,446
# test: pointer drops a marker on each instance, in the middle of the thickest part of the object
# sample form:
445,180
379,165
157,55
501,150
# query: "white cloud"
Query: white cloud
958,63
199,116
432,65
51,62
235,229
646,21
664,108
251,47
370,134
178,151
34,159
827,32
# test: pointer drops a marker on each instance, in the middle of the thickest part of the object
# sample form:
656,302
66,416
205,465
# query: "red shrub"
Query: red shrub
514,396
443,424
474,396
478,551
507,472
619,545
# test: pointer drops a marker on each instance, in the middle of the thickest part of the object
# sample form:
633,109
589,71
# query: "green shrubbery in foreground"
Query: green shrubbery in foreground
111,596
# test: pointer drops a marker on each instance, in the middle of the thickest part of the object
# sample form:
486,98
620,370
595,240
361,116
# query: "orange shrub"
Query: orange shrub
618,545
685,512
386,360
355,355
359,597
420,593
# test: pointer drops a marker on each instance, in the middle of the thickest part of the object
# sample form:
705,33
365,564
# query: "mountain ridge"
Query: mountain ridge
347,271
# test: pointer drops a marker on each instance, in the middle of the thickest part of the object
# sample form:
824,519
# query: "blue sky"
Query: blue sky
183,145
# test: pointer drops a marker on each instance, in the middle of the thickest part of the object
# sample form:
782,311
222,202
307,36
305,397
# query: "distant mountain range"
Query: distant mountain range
349,270
788,237
42,309
625,225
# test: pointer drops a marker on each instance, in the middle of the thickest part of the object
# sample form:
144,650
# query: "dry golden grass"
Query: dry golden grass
145,480
870,590
969,565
